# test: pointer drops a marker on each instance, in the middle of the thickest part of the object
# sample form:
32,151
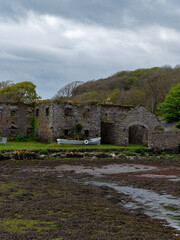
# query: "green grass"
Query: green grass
7,186
55,146
21,225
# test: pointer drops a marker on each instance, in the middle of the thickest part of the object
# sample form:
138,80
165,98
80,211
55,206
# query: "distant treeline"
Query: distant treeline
147,87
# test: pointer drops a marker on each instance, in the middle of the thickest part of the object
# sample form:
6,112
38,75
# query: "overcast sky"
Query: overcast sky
54,42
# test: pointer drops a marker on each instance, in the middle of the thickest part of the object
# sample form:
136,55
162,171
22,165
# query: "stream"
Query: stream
165,207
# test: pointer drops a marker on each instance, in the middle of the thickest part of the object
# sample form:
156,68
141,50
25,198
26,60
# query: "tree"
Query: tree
67,90
115,96
5,83
170,108
135,97
19,92
155,83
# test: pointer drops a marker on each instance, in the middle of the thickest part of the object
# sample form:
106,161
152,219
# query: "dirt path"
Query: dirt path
70,199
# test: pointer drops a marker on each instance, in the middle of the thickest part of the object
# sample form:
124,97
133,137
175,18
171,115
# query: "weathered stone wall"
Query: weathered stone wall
110,116
43,117
139,116
54,119
113,112
159,141
15,118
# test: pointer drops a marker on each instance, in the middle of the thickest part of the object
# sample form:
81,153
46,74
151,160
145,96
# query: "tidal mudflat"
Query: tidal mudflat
85,199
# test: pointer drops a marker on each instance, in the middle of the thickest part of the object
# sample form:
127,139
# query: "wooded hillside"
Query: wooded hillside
147,87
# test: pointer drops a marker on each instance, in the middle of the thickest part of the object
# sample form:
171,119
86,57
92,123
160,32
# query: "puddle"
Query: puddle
173,178
165,207
34,170
5,175
108,169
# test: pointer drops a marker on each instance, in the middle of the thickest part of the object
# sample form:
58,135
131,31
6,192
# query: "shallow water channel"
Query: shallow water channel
165,207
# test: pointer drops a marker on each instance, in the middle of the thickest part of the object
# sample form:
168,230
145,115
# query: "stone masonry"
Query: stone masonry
164,141
15,118
115,124
139,116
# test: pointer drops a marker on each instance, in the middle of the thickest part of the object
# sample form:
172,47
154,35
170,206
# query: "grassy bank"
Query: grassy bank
55,146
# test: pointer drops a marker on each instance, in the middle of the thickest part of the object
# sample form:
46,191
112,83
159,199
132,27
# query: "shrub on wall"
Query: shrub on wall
21,138
78,128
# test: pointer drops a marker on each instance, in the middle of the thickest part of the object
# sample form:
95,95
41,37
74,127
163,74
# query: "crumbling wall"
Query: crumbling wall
67,115
162,141
139,116
43,117
52,119
113,112
15,118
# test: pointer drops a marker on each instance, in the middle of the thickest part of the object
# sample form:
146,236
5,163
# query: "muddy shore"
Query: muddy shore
57,199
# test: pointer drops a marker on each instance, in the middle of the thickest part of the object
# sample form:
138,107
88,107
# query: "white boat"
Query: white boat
92,141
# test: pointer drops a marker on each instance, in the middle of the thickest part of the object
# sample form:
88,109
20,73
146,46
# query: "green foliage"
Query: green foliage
78,127
135,75
178,125
120,73
137,97
44,152
33,135
115,96
20,92
21,138
163,153
89,96
147,87
15,225
141,151
170,108
128,153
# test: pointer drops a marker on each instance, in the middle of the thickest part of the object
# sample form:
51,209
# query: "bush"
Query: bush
170,108
21,138
163,153
178,125
78,127
141,151
128,153
44,152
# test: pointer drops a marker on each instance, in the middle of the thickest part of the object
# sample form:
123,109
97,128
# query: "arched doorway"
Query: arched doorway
138,135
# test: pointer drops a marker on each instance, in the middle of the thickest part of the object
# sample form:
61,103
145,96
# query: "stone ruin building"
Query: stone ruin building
115,124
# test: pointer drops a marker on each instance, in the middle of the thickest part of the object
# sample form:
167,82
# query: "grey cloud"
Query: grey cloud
110,13
91,39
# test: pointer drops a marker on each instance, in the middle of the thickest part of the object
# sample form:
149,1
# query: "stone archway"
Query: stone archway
138,135
139,116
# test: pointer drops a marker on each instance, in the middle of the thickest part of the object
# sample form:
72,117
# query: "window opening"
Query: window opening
66,131
86,133
37,112
47,111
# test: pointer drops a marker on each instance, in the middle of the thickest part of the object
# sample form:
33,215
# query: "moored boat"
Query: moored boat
92,141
